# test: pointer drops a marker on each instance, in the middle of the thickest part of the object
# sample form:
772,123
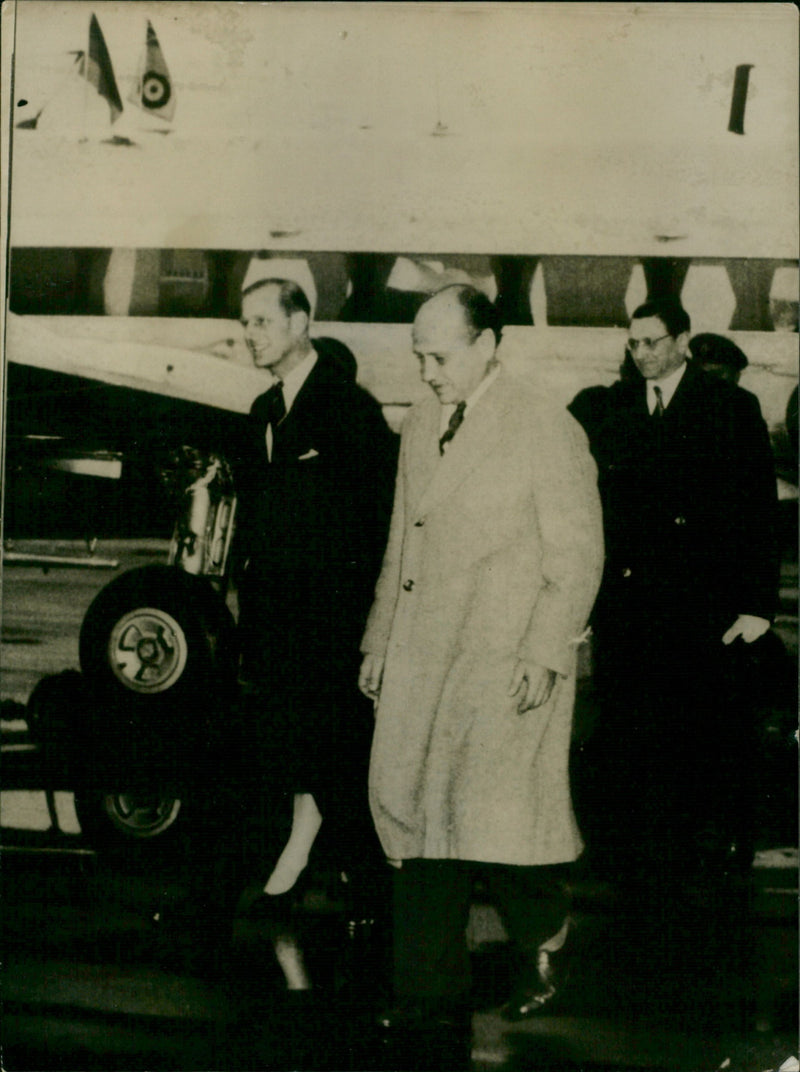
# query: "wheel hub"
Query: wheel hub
147,650
141,815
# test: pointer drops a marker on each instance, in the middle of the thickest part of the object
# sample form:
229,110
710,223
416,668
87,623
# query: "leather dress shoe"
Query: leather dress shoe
536,989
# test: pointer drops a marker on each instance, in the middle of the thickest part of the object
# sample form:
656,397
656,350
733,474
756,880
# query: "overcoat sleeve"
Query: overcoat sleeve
564,487
753,504
379,622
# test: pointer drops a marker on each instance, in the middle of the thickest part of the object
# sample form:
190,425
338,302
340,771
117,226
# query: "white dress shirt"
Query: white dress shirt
450,408
291,388
669,385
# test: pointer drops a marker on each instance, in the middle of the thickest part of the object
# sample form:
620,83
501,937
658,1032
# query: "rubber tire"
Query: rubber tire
197,675
111,823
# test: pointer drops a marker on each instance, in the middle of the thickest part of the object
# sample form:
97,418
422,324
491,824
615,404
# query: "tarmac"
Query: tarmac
700,975
708,981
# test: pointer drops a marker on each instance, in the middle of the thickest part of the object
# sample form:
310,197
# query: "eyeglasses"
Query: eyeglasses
648,344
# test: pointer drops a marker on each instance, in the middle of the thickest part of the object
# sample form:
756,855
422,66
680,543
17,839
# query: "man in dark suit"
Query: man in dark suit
690,583
314,465
315,482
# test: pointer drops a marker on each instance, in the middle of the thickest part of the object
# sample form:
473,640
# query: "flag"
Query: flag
153,91
739,98
99,71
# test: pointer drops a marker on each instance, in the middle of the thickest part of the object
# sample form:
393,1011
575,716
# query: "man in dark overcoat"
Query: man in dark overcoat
690,583
315,480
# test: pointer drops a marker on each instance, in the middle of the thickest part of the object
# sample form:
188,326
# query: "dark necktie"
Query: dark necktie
453,425
274,412
274,405
658,410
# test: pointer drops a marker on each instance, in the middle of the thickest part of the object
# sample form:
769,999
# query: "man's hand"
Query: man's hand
535,684
748,627
370,676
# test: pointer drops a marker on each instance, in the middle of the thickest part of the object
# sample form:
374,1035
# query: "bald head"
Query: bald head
455,337
445,309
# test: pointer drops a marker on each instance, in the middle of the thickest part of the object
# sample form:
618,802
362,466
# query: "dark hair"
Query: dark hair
669,311
291,297
710,349
480,312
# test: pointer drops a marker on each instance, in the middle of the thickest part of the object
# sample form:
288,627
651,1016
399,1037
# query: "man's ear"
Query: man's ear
299,322
487,343
682,342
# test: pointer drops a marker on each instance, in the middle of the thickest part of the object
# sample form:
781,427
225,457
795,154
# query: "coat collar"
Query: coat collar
636,393
441,475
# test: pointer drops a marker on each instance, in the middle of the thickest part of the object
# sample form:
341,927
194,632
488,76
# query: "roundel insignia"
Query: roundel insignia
155,90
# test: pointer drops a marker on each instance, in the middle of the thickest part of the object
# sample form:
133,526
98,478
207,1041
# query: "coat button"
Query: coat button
680,520
626,572
408,586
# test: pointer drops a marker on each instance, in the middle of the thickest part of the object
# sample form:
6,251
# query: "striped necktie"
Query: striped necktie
453,425
658,410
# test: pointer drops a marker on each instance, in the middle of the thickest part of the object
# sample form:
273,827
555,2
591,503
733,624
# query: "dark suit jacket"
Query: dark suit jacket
312,525
689,514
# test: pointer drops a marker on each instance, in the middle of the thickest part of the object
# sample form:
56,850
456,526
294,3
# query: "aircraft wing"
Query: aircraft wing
162,370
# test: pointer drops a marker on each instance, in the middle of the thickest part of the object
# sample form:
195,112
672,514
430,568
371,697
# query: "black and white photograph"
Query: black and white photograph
399,454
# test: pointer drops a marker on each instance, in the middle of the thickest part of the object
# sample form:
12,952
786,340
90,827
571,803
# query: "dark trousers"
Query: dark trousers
291,744
673,751
431,910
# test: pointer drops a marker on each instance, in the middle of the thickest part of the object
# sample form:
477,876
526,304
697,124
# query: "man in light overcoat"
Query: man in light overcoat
495,554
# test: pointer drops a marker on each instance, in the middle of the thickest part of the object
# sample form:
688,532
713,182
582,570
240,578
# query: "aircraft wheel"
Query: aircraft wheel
129,823
159,641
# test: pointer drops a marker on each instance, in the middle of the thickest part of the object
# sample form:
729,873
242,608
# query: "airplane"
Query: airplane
582,156
540,140
92,72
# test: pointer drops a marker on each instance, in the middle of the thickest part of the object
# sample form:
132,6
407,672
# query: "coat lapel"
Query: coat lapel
684,391
465,451
631,409
292,432
424,456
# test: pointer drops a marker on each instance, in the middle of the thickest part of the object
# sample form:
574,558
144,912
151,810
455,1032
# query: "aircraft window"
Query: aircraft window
587,291
784,300
751,281
708,297
56,282
323,276
184,282
742,294
389,288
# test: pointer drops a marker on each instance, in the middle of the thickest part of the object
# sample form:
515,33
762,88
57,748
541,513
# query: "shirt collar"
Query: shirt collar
295,379
480,390
669,385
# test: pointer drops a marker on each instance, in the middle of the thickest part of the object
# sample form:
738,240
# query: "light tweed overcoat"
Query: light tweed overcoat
495,554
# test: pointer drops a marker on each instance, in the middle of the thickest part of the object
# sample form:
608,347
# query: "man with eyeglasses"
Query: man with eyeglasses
690,584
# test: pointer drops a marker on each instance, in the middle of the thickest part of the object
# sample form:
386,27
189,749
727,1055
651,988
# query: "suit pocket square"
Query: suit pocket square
308,455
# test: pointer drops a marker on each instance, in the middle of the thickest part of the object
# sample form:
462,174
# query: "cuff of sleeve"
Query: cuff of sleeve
558,659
